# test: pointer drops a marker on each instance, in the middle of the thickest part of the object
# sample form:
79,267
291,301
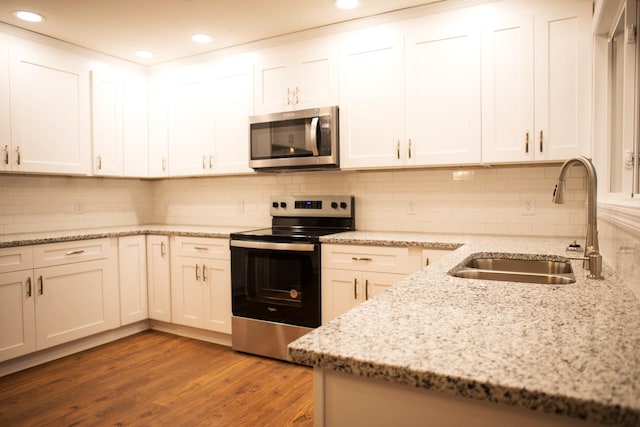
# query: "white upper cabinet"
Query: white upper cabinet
233,104
443,86
6,149
106,129
135,126
371,98
49,110
302,75
536,83
158,129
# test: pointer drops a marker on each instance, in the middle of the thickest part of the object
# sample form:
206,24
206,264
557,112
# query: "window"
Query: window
623,97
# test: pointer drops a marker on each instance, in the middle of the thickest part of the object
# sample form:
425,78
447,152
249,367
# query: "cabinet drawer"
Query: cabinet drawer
201,247
70,252
382,259
16,259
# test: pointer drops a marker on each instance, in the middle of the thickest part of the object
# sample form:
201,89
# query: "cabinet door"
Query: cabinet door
75,301
187,305
158,130
507,89
190,128
6,151
443,83
17,314
376,283
341,291
316,75
132,256
106,121
562,81
158,278
49,110
216,287
135,128
371,99
273,92
233,99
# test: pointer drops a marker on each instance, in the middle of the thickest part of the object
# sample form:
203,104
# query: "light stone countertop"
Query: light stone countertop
565,349
23,239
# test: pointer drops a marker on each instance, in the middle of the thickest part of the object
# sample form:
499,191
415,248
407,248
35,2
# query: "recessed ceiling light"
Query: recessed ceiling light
346,4
25,15
145,54
201,38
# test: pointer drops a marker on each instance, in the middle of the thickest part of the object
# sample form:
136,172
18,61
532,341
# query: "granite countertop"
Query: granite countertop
23,239
564,349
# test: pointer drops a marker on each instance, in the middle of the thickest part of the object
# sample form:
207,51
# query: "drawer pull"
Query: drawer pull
29,286
41,285
197,275
200,248
357,258
162,249
355,289
366,290
204,273
78,252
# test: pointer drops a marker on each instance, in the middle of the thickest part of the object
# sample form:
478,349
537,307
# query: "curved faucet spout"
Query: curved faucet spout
591,244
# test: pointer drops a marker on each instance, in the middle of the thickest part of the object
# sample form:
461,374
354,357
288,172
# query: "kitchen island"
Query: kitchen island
462,351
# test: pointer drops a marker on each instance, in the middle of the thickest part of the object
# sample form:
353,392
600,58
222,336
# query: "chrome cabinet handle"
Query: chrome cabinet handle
99,159
29,286
164,164
6,154
541,142
355,288
210,161
297,92
357,258
204,159
204,273
197,275
78,252
162,249
288,96
526,142
409,148
41,285
18,157
398,150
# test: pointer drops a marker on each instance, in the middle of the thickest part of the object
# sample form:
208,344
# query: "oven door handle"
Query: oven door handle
300,247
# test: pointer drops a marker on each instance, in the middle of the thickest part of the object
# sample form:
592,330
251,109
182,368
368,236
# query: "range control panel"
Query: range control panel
320,206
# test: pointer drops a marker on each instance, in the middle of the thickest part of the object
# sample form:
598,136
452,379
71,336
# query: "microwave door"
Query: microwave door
312,139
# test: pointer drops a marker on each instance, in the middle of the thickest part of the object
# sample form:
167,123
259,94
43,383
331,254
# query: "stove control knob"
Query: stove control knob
283,205
343,205
274,204
334,205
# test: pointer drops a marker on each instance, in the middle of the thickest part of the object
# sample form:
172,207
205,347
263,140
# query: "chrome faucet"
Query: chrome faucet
592,258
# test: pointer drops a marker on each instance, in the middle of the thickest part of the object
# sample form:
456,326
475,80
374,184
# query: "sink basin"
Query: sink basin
517,268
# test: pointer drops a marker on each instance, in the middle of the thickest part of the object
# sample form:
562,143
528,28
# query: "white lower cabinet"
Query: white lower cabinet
201,283
352,274
17,308
132,260
158,278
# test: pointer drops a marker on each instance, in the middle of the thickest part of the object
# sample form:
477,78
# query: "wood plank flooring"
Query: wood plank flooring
158,379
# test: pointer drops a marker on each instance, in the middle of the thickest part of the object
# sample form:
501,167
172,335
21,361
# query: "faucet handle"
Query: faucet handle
595,266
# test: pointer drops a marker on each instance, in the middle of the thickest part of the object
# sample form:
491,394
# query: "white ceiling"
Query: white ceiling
120,27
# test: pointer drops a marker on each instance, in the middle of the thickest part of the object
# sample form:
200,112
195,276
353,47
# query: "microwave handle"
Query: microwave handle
313,135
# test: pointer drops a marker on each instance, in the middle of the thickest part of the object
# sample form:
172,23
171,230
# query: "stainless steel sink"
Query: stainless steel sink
542,269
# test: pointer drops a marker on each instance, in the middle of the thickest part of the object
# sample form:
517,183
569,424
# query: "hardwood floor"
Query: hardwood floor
158,379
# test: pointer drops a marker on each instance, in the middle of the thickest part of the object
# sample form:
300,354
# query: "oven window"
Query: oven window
278,277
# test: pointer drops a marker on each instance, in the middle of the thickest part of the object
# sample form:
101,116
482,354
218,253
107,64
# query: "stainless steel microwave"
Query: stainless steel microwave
304,139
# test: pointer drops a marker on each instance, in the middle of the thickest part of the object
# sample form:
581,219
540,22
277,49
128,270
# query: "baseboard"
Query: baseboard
186,331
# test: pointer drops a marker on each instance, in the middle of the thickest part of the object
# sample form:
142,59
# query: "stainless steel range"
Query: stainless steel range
275,272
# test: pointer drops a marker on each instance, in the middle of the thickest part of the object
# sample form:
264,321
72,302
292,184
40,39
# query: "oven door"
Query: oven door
277,282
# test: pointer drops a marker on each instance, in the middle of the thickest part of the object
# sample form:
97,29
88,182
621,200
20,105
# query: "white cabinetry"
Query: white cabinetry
410,95
443,86
76,288
201,283
135,126
158,278
17,308
158,128
132,260
352,274
302,75
5,107
50,117
536,83
233,104
106,121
